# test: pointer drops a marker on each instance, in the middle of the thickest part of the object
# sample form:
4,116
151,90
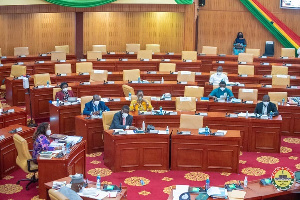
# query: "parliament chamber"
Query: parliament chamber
126,99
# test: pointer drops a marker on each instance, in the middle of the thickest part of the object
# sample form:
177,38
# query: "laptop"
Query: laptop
72,99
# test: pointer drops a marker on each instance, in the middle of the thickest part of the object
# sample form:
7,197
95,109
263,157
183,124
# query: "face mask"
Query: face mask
48,132
140,98
65,90
96,103
219,73
124,115
222,88
266,103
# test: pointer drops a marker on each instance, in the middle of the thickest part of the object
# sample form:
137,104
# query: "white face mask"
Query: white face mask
48,132
222,88
266,103
219,73
65,90
96,103
124,115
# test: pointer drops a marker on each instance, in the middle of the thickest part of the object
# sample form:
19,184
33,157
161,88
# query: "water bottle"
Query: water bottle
100,113
271,115
167,130
207,184
139,79
227,99
68,148
143,126
247,114
206,131
160,110
245,182
47,83
162,80
129,96
57,102
142,182
98,182
282,101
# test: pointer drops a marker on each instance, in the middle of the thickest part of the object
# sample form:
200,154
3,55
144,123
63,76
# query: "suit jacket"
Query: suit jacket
117,122
89,107
60,95
271,107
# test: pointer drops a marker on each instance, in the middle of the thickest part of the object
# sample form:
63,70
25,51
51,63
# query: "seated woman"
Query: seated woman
239,44
64,93
140,104
41,141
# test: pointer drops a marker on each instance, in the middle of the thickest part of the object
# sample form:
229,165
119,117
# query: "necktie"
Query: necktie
124,121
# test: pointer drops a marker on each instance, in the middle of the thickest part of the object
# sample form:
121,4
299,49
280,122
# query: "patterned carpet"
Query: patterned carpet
158,183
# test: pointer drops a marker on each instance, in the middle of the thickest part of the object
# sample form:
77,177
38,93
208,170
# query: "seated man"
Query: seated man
122,120
140,104
265,107
64,93
221,91
95,106
216,78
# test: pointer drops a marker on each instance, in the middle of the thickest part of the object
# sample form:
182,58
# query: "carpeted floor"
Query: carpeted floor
158,183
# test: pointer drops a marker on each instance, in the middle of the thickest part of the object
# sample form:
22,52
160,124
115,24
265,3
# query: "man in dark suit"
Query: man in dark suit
122,120
95,106
265,107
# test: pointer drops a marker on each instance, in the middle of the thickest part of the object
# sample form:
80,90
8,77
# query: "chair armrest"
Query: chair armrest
28,165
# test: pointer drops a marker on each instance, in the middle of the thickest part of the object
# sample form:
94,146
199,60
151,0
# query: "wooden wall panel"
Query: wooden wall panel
219,22
39,31
116,29
190,17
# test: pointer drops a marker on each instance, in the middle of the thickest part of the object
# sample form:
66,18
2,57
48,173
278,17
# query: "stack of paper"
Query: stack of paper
236,195
217,192
73,139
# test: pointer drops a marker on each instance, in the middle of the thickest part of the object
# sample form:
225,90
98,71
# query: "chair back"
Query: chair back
131,75
288,52
93,55
246,70
154,47
58,55
63,48
281,80
56,195
189,55
98,75
20,51
62,68
255,52
133,47
84,100
278,96
191,121
186,76
127,89
245,57
23,152
17,70
216,86
0,54
167,67
84,67
107,118
144,54
209,50
185,103
41,79
55,90
101,48
193,91
134,97
279,70
248,94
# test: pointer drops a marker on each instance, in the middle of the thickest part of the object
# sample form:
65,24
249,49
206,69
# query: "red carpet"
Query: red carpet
157,183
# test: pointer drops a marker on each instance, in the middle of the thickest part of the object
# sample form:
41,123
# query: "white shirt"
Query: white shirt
216,79
265,110
298,52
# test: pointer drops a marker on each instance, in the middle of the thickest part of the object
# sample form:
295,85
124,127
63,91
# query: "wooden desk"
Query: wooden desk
17,117
72,163
14,59
8,152
136,152
255,191
205,153
292,92
40,97
120,196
